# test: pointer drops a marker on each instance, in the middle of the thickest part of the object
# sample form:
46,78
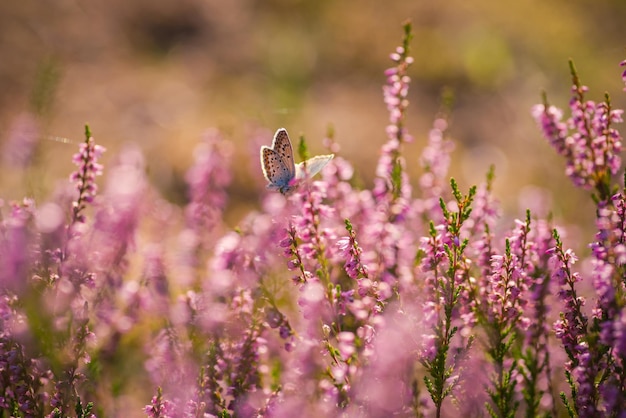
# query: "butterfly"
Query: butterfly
280,169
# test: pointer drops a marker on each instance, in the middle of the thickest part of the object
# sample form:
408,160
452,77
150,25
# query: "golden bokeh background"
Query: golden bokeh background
159,73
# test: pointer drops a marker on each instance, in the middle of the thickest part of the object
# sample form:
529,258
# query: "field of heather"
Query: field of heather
312,209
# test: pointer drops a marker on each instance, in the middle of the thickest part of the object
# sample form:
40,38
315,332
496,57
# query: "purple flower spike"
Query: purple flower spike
392,179
587,139
85,177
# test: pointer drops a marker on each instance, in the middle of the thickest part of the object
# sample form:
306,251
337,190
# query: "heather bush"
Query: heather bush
409,298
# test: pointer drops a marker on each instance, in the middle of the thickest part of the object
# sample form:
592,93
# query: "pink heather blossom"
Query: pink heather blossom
84,178
587,139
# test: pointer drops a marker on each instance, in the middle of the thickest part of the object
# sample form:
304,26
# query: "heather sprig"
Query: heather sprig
397,87
293,252
392,178
389,210
85,177
446,269
354,268
308,224
608,260
359,301
535,355
79,410
47,342
573,330
587,139
313,235
159,407
502,319
308,237
21,379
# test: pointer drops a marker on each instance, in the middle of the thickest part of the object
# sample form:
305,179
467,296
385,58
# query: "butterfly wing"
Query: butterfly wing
312,166
279,166
274,169
282,145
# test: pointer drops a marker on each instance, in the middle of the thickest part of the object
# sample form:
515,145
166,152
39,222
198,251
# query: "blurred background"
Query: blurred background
159,73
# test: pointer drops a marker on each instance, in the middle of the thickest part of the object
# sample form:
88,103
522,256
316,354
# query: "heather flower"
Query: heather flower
535,361
390,171
586,361
307,247
607,280
505,297
608,253
308,227
573,322
352,252
446,269
95,263
159,407
20,380
389,212
293,252
85,177
619,332
587,139
550,120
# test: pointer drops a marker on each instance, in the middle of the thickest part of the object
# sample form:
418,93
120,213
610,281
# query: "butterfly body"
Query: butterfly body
280,169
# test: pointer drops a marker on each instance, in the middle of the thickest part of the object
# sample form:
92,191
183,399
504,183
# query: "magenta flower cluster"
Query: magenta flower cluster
86,159
587,140
400,299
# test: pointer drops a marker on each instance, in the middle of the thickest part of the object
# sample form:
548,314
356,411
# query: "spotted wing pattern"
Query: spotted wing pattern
279,167
274,169
282,145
